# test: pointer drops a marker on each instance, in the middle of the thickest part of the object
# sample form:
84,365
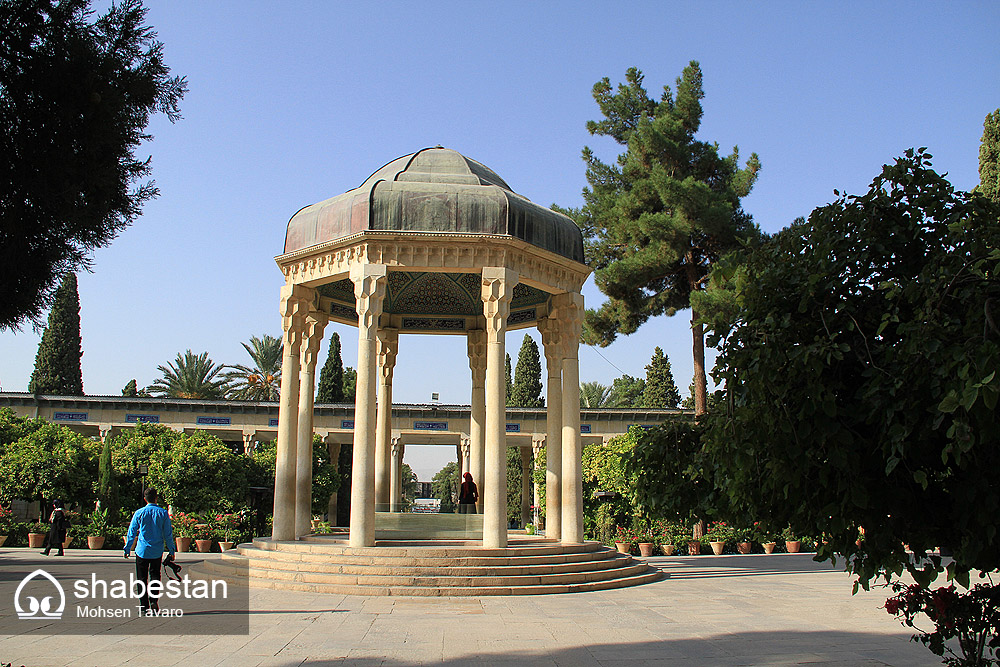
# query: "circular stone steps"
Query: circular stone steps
528,566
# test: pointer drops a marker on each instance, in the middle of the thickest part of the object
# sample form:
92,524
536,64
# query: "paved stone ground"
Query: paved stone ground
709,611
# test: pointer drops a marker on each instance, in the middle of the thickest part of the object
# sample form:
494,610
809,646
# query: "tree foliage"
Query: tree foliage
331,377
660,390
411,486
57,364
445,485
627,392
191,376
131,389
527,387
989,158
509,383
262,380
862,380
76,95
656,220
594,395
199,473
107,480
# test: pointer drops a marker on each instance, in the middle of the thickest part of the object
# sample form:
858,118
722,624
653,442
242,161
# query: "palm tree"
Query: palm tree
594,395
262,381
193,376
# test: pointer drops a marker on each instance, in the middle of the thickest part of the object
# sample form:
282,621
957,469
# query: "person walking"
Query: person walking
57,528
152,533
468,495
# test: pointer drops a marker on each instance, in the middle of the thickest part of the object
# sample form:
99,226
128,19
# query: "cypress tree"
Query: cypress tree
527,387
660,391
57,364
331,377
107,490
131,389
989,157
510,385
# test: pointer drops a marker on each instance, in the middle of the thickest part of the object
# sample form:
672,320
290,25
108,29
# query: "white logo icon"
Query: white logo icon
39,608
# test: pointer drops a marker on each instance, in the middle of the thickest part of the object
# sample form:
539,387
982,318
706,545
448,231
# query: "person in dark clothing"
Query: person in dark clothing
58,521
152,533
468,495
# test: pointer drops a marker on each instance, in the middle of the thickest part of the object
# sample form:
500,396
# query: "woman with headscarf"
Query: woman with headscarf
57,528
468,495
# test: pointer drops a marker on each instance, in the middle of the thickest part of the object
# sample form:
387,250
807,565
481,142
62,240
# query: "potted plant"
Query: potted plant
97,529
743,537
36,534
226,527
183,525
6,524
766,538
204,534
664,538
793,543
623,540
718,534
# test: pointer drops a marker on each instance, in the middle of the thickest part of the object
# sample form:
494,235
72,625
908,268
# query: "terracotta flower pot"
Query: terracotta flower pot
3,538
95,542
225,546
623,547
717,547
694,548
668,549
66,542
769,547
793,546
183,543
645,549
744,547
204,546
36,540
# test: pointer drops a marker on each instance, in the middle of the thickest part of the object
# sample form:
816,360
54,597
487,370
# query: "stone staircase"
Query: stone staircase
528,566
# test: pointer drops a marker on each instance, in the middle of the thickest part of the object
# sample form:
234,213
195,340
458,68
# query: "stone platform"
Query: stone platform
530,565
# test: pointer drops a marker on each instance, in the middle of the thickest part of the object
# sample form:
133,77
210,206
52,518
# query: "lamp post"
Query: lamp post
143,470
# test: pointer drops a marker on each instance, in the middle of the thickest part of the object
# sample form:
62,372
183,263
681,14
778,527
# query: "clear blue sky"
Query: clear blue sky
291,103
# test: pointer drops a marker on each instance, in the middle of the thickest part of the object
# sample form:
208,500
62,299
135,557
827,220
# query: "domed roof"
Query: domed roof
435,190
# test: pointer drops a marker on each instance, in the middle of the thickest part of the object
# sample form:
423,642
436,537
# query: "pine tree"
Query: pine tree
131,389
527,387
510,385
57,364
657,219
660,391
331,377
989,157
350,384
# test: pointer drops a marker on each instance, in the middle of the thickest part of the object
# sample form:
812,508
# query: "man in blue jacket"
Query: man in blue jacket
151,527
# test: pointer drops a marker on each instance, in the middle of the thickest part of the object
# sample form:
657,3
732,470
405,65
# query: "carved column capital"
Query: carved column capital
397,448
312,336
295,305
498,289
388,346
568,309
551,343
537,445
477,355
369,291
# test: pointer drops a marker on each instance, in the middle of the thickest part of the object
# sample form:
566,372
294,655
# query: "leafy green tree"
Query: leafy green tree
76,95
989,157
41,461
131,389
626,392
656,220
604,470
331,376
350,384
527,386
513,484
411,486
57,364
199,473
191,376
594,395
445,485
660,390
326,476
262,380
861,378
107,486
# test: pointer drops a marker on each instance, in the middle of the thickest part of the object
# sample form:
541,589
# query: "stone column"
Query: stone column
552,344
247,443
477,419
369,291
570,313
498,288
396,476
388,344
537,445
333,449
464,447
311,339
525,486
296,302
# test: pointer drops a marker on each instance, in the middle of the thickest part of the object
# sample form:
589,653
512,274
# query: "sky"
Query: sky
292,103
